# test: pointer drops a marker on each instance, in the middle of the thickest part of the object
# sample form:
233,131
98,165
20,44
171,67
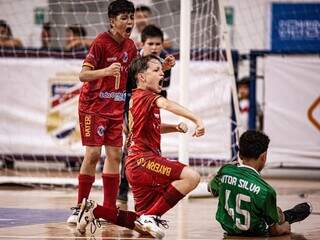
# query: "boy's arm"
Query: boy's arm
214,184
87,74
273,216
179,110
169,128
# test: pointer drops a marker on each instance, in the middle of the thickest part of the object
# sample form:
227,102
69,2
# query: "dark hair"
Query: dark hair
120,6
139,65
5,25
151,31
143,8
252,144
77,30
46,26
243,81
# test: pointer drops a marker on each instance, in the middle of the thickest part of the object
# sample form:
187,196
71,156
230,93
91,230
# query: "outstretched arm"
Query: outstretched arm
179,110
169,128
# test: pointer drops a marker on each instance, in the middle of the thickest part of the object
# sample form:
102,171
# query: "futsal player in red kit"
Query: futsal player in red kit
101,103
157,182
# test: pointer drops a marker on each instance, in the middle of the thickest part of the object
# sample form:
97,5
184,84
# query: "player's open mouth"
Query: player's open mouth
128,30
161,82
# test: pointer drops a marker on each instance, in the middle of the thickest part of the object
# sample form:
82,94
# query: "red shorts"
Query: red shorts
97,131
149,178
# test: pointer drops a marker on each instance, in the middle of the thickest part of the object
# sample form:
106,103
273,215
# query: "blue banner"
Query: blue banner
295,27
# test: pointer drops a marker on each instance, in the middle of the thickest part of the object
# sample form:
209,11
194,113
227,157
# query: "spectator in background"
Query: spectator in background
152,39
46,36
6,38
142,18
244,103
75,38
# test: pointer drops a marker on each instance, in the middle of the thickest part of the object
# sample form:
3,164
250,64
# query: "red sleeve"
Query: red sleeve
150,100
94,55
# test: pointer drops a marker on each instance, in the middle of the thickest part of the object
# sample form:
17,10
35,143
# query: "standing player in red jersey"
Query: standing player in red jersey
157,182
101,103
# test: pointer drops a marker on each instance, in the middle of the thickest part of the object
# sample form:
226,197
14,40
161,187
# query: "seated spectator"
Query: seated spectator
75,38
142,18
6,38
243,95
46,36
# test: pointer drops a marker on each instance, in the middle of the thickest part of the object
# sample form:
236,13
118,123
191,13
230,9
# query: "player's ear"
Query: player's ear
111,20
140,77
263,157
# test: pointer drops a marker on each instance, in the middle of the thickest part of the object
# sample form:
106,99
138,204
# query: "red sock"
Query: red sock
126,219
84,188
115,216
170,198
110,189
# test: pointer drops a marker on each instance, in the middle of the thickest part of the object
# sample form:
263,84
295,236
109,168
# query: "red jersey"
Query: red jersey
144,123
106,96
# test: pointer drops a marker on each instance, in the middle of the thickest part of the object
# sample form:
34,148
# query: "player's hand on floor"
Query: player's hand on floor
182,127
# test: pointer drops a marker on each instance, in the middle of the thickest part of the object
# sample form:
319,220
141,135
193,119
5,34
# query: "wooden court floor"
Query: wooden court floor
40,214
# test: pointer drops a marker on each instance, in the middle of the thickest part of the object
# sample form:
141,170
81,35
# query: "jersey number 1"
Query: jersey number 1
240,197
117,82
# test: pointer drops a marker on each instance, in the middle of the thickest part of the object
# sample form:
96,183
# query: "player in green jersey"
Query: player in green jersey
247,204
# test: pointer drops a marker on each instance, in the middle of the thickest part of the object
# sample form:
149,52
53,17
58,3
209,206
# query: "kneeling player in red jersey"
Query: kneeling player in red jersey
247,204
157,182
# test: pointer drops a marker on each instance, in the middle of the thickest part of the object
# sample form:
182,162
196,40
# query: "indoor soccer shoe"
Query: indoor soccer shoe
151,224
298,212
72,219
86,216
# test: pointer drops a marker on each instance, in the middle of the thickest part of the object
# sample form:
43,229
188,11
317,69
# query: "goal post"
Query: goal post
185,29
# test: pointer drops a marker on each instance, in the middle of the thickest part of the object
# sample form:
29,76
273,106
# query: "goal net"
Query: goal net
39,132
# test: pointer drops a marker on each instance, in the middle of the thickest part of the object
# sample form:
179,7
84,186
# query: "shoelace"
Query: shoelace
76,209
94,225
162,222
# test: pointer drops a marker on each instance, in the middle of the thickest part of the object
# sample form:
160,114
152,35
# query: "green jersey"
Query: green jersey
247,204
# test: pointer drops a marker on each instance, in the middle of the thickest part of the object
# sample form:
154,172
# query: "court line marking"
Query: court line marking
73,237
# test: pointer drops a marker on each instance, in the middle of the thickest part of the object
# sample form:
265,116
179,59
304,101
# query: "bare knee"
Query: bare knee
191,176
111,164
92,155
114,155
90,160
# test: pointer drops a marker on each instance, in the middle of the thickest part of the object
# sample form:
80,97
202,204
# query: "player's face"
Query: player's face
122,24
152,46
3,33
70,37
243,91
142,19
154,76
